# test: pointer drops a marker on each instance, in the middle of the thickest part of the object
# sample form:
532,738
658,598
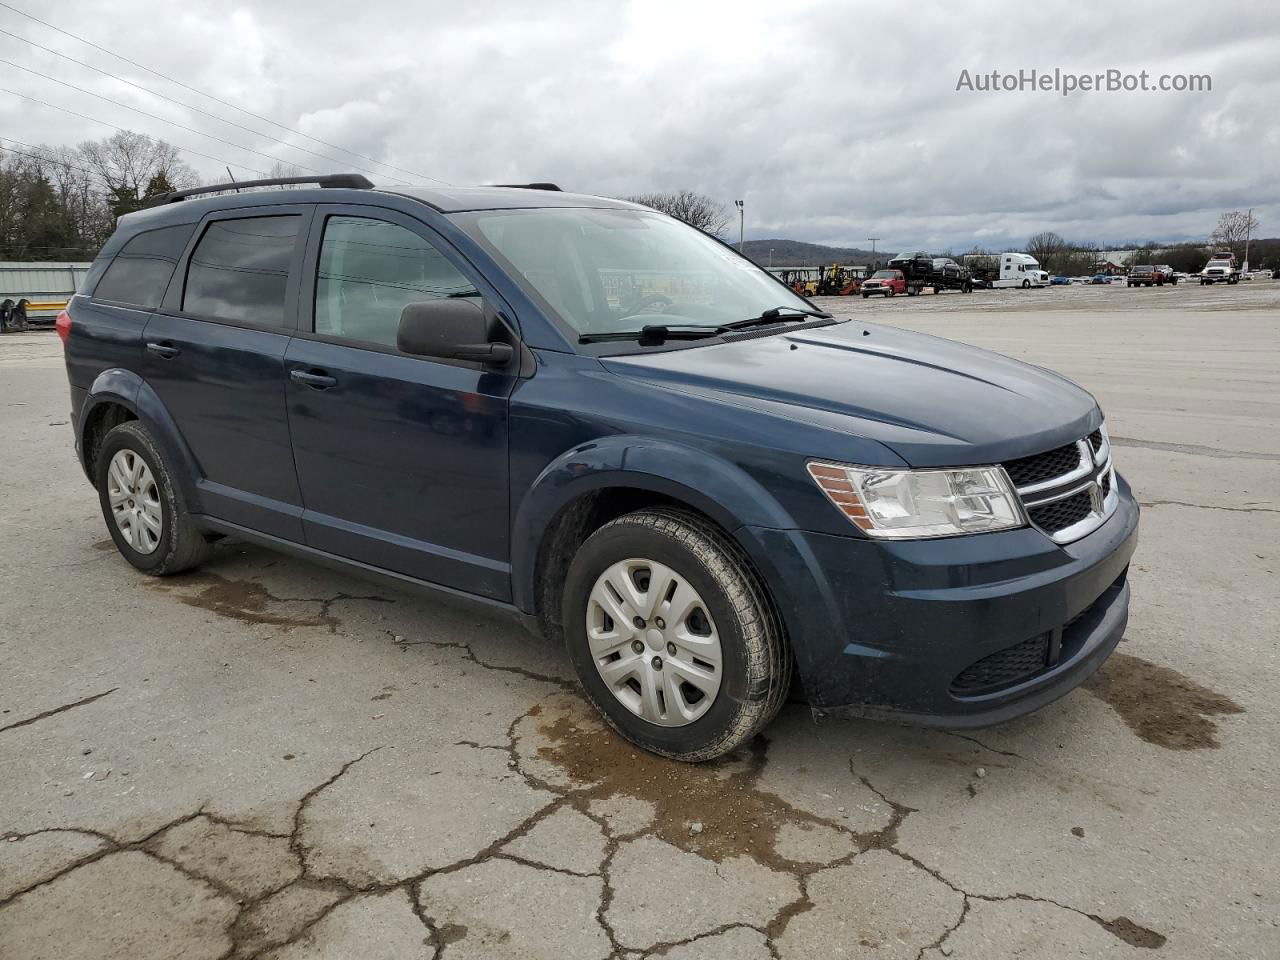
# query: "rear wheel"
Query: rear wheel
143,508
673,637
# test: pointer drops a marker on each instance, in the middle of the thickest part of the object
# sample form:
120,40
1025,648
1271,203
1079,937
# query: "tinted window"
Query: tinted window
240,270
369,269
142,268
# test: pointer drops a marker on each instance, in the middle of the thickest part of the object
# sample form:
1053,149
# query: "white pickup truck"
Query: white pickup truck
1221,268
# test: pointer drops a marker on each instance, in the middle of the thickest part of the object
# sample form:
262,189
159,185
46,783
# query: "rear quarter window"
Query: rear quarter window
141,270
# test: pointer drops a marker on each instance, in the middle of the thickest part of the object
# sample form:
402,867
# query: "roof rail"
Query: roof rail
531,186
353,181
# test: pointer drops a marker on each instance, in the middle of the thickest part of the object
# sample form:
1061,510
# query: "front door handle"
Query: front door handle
166,351
316,379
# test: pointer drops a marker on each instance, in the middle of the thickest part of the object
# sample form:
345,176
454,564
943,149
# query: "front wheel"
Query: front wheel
142,505
672,635
1026,284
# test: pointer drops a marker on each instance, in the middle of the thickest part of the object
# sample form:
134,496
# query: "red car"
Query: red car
886,282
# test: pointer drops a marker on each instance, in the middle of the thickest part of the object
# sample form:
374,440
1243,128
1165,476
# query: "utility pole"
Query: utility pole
873,251
1248,229
771,258
741,222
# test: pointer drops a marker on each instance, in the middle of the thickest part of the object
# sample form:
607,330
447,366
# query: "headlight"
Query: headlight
910,504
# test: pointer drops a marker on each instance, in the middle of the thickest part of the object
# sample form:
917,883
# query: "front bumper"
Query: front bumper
886,629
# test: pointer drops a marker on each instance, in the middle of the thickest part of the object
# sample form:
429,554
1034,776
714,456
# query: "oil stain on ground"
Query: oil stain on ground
250,602
713,809
244,600
1160,705
734,817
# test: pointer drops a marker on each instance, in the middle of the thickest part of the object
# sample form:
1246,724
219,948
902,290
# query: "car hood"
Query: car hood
933,402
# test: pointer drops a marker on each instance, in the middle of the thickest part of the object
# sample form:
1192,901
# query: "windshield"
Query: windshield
613,271
884,274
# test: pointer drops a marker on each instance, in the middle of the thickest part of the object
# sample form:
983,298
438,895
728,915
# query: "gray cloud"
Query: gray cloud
835,121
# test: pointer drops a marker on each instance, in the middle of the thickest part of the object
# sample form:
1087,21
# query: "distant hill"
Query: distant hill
796,253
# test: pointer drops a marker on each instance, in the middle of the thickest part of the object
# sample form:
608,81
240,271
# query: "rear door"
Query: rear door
215,356
402,460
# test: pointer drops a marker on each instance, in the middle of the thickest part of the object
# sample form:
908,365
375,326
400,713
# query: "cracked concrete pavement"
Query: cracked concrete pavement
265,759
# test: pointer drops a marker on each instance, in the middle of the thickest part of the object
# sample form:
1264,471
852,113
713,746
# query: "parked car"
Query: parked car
1144,276
949,268
616,430
912,262
1100,278
1060,281
884,283
1167,273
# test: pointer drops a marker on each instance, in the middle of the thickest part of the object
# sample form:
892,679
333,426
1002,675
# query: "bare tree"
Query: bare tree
133,167
1047,247
695,209
1232,229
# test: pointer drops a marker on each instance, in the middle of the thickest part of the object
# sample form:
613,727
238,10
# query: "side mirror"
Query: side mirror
451,329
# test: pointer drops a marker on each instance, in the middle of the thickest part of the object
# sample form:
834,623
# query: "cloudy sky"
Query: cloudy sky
835,121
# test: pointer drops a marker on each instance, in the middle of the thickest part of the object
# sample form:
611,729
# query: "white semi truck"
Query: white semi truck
1006,270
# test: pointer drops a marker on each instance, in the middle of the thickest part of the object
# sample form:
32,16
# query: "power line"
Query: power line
82,116
53,160
155,116
210,96
187,106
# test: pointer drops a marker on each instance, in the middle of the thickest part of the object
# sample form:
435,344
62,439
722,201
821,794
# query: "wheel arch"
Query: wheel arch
589,486
117,396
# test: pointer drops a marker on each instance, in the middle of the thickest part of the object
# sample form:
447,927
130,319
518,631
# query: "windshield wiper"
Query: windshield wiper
654,333
657,333
775,315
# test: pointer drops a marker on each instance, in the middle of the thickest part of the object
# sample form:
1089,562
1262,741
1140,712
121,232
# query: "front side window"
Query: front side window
369,269
239,270
141,270
616,271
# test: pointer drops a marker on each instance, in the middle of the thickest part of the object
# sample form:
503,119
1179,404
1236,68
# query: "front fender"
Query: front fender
716,487
127,389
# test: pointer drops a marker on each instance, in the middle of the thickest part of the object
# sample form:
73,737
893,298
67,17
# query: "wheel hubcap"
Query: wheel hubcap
653,642
135,501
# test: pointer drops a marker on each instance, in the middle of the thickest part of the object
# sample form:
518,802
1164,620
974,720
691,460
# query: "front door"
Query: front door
402,460
215,356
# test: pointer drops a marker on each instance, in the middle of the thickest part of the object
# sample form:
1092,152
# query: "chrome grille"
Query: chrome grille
1069,491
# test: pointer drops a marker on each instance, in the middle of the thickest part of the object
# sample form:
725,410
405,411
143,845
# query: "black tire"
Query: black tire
756,658
1026,284
865,296
889,292
182,545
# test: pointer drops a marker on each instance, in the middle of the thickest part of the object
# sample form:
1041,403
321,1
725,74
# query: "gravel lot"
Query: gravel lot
265,758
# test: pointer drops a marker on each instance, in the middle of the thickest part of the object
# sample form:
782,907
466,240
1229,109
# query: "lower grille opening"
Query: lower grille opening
1004,667
1061,514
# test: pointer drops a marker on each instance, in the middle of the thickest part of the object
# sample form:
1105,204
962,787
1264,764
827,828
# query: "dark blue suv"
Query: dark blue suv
613,427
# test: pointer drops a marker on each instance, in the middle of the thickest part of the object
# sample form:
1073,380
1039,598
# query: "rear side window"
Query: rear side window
240,270
141,270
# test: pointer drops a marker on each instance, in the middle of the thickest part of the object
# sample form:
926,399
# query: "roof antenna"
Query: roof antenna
232,176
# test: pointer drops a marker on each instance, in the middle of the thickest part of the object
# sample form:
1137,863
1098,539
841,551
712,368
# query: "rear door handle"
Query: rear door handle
316,379
166,351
